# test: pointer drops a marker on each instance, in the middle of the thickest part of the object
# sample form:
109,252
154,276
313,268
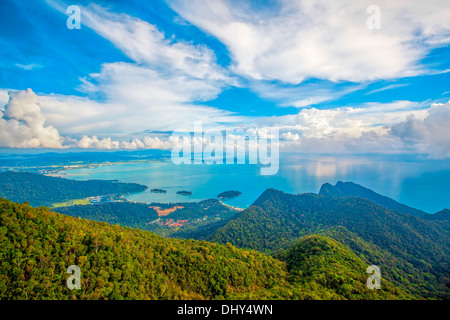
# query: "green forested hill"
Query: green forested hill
420,248
37,246
322,260
431,281
40,190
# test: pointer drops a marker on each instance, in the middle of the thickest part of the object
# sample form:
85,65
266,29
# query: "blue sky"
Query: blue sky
311,68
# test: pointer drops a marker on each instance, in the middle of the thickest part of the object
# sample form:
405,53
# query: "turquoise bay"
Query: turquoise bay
423,184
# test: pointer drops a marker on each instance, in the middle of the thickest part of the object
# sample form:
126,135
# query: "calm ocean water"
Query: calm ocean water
423,184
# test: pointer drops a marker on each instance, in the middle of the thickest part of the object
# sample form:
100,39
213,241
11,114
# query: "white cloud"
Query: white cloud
126,116
302,39
160,90
107,143
388,113
146,45
28,67
341,130
289,136
22,124
429,135
354,120
389,87
4,98
397,127
93,142
303,95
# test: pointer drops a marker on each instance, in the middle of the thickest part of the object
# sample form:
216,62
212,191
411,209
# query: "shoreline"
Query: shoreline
231,207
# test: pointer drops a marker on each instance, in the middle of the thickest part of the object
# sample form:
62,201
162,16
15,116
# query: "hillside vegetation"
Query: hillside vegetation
321,261
414,251
37,246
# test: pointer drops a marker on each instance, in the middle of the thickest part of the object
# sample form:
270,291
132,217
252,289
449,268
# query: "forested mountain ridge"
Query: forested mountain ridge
443,215
37,246
276,220
350,189
40,190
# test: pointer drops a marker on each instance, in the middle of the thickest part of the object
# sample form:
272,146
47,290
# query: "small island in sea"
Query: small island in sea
158,191
229,194
185,193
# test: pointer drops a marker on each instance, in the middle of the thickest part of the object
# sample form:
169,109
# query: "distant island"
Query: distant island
158,191
229,194
185,193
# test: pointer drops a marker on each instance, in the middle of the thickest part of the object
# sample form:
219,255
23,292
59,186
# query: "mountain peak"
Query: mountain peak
328,189
269,193
351,189
441,215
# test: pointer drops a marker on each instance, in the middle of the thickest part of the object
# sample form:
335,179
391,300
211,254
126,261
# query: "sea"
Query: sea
413,180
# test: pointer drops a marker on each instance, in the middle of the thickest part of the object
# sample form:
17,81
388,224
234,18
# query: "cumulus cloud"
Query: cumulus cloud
322,39
368,128
397,127
331,131
4,98
22,124
289,136
411,129
136,143
429,135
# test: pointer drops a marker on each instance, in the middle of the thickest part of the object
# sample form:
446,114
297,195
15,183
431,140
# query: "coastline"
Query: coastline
62,171
238,209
